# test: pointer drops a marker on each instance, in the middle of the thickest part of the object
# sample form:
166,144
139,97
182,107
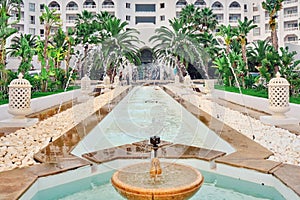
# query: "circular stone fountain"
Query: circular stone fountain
164,181
176,182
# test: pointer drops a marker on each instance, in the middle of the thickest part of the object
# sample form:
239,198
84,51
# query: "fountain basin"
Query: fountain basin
177,182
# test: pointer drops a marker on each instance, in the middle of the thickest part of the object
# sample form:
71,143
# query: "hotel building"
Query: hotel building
146,15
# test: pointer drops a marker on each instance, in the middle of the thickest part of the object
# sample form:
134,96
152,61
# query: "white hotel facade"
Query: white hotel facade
146,15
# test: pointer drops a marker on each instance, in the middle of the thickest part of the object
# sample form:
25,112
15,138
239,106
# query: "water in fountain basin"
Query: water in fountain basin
215,187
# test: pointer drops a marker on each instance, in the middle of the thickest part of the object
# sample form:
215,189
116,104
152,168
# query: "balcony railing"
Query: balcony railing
200,6
291,15
217,8
292,41
268,31
72,8
54,8
291,1
180,6
89,6
70,21
108,6
235,8
233,21
291,28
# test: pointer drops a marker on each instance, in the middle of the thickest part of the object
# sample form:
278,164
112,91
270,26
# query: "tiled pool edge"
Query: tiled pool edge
15,182
244,157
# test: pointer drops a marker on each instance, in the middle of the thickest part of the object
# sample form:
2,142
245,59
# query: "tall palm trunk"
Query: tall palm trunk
47,33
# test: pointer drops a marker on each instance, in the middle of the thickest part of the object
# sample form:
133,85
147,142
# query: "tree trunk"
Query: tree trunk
47,33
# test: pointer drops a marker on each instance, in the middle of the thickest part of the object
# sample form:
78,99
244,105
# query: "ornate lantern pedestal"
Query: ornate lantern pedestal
209,86
85,85
278,90
107,85
177,82
187,81
18,106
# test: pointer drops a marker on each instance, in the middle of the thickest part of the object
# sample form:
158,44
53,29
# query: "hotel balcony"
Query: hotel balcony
108,6
70,22
291,28
72,9
288,3
235,9
90,7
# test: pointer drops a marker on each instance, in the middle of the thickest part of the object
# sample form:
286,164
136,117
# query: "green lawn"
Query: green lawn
42,94
254,92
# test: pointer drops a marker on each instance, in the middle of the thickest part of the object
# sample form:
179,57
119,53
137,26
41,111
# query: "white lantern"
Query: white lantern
19,97
278,89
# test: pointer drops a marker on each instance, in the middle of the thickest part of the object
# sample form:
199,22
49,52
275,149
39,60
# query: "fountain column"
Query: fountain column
278,90
209,87
19,105
85,84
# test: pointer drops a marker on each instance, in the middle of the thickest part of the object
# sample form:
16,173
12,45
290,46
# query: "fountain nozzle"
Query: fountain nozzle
155,140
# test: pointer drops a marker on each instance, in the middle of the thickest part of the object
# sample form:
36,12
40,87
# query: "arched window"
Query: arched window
200,3
181,3
54,5
234,5
217,6
72,6
291,38
108,4
89,4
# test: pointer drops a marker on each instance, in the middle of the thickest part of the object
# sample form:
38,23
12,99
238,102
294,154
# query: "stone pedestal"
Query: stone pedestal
85,89
187,81
278,90
177,79
116,81
19,105
209,86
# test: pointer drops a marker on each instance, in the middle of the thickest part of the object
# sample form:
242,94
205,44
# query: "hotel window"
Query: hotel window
162,18
42,7
32,7
145,20
42,32
245,7
32,31
162,5
127,5
256,19
127,18
144,7
256,31
32,19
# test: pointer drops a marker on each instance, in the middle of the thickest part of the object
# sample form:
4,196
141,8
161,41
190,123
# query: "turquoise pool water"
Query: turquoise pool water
148,111
215,187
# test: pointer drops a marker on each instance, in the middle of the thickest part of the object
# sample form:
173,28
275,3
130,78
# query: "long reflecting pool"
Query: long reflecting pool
148,111
144,112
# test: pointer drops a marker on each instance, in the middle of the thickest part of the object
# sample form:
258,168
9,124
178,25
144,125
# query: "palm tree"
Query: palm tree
50,19
119,46
6,8
84,27
228,33
258,52
23,46
191,16
272,7
60,47
178,45
208,20
243,29
210,44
